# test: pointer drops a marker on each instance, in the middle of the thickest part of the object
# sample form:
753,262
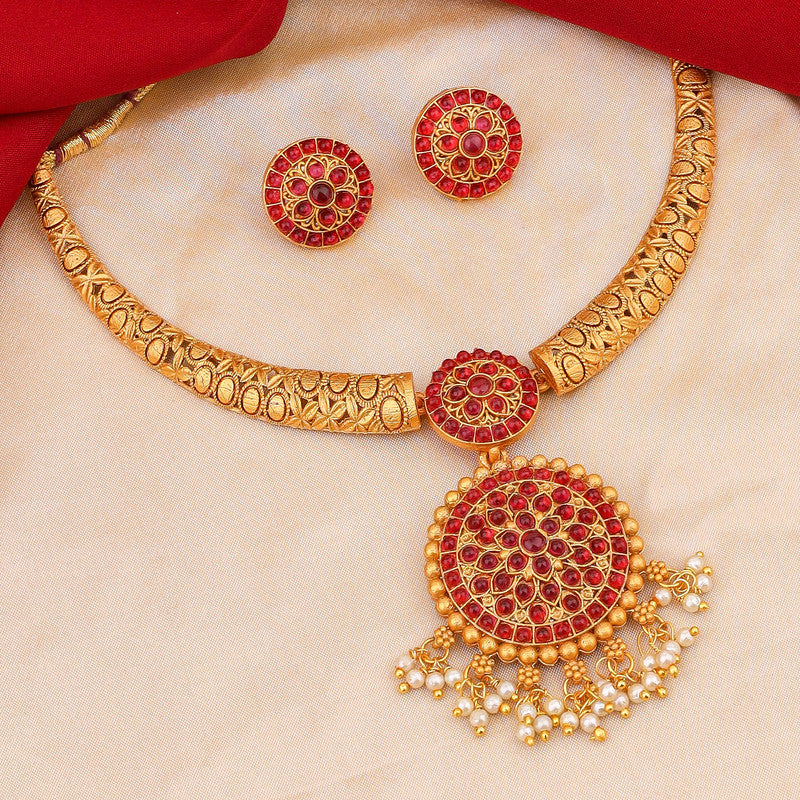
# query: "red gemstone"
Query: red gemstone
447,561
595,611
529,488
541,565
543,635
509,539
473,143
525,521
472,496
293,153
449,543
479,385
345,231
599,546
486,536
594,576
461,190
513,126
276,212
496,499
571,577
525,473
517,561
483,435
580,622
608,596
425,127
538,614
477,190
616,579
502,581
504,631
281,165
475,522
505,606
594,496
298,235
533,542
461,510
447,103
587,516
542,474
571,602
469,553
605,510
577,532
272,195
497,517
314,240
331,237
550,525
448,143
613,525
542,503
558,547
434,113
562,630
460,595
582,556
487,484
517,502
619,544
451,427
345,200
487,621
524,635
285,225
473,610
478,96
488,561
425,160
561,494
514,425
320,193
452,579
524,592
327,217
466,433
480,584
366,189
493,101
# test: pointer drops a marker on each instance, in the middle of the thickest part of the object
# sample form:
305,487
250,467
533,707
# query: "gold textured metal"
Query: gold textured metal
295,397
593,338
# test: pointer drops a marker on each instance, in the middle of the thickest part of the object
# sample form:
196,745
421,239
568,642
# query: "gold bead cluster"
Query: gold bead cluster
615,649
575,670
657,571
645,613
528,677
481,666
443,638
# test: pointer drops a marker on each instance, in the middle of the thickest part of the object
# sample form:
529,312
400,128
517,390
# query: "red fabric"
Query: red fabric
758,40
55,53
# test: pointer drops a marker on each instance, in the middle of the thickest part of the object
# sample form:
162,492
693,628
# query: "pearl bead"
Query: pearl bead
651,681
569,718
691,602
478,717
405,663
553,706
673,647
635,692
465,705
505,689
526,710
663,596
703,583
649,662
665,659
685,638
452,676
542,723
492,703
524,731
599,708
608,692
435,681
621,702
589,722
415,678
695,563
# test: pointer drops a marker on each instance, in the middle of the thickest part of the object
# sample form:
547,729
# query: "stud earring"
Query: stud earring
467,142
317,192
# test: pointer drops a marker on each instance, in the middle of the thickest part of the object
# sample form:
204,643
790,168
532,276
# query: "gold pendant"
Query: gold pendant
534,562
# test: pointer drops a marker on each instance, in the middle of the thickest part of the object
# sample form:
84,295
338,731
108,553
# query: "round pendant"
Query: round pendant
467,142
317,192
535,555
481,399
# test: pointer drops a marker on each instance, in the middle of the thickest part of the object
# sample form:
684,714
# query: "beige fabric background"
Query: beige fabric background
195,604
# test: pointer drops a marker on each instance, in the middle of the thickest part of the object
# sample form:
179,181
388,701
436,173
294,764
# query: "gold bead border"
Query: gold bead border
530,654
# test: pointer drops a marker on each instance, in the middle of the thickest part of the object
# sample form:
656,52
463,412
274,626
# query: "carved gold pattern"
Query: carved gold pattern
598,334
295,397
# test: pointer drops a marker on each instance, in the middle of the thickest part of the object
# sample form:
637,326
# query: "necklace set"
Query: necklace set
535,565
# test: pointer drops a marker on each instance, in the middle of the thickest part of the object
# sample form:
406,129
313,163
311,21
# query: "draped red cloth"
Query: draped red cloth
56,53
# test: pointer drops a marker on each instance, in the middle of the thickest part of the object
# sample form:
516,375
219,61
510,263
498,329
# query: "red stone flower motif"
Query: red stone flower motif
534,556
480,399
467,142
317,192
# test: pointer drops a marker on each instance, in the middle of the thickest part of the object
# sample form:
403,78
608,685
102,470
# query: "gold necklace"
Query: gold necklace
530,561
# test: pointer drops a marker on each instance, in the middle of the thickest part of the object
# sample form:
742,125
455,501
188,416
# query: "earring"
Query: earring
317,192
467,142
